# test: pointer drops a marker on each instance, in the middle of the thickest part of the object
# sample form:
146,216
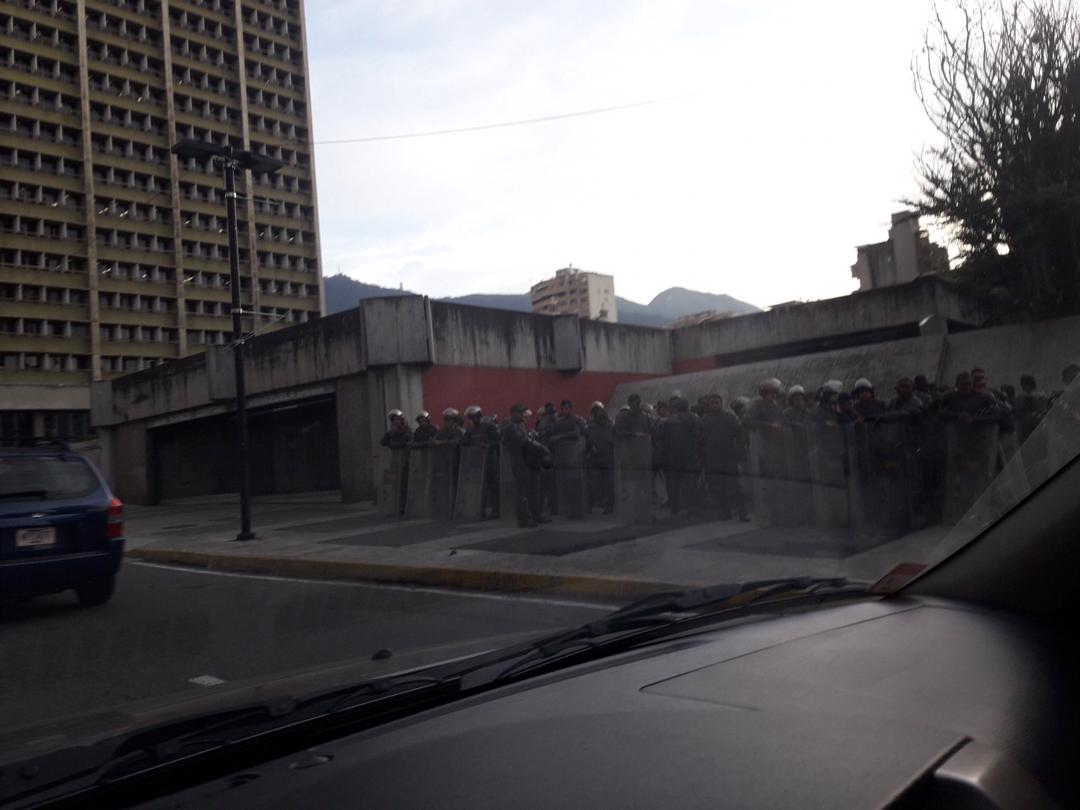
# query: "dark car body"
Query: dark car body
60,525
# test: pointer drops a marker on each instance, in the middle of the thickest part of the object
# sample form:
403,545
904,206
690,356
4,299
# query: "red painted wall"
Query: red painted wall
693,364
495,389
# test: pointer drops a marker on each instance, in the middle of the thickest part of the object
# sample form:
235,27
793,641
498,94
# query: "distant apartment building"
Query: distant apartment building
907,254
574,292
113,252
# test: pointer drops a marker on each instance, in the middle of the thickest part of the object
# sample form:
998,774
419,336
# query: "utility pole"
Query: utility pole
230,160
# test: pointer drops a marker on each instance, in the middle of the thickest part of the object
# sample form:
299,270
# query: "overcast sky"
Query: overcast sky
783,135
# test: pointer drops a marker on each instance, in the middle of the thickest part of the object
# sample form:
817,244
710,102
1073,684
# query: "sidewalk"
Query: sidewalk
314,536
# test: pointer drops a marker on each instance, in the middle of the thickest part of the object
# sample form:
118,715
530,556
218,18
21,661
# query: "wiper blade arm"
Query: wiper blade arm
670,608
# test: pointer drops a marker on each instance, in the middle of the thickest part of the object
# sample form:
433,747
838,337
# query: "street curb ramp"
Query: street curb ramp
431,576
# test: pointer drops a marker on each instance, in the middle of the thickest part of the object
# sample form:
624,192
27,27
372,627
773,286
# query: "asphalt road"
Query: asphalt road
167,626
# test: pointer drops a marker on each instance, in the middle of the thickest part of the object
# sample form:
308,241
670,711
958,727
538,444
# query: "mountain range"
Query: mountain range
343,292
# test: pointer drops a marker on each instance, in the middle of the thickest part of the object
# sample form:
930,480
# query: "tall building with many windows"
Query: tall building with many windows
113,252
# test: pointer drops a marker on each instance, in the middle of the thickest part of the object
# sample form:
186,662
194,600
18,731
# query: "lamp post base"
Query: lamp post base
245,536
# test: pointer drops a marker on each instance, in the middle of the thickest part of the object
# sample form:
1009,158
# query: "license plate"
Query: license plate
27,538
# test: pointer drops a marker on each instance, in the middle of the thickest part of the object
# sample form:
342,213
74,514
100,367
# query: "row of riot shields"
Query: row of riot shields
431,482
889,476
443,482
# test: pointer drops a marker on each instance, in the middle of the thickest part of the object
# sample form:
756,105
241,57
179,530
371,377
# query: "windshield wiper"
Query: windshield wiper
150,762
674,611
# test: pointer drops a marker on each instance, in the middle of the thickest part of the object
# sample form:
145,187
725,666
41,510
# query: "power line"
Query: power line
501,124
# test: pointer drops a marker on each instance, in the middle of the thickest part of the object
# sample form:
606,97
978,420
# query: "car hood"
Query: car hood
842,707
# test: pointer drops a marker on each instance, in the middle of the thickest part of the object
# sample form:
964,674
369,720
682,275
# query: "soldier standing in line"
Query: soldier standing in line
425,431
681,455
399,437
866,404
451,430
632,419
966,405
721,450
549,493
845,410
600,452
523,466
907,400
1031,406
796,411
483,432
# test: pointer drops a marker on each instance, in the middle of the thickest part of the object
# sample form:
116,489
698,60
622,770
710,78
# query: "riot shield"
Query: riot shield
633,479
507,486
892,486
431,482
390,495
856,465
767,474
970,462
797,505
472,470
570,479
828,476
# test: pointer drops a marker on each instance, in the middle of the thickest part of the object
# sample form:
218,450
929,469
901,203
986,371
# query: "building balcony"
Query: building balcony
38,344
139,348
45,310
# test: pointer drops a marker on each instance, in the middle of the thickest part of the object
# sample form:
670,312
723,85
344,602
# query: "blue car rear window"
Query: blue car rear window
49,477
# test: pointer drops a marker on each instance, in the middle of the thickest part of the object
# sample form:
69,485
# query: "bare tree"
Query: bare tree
1000,81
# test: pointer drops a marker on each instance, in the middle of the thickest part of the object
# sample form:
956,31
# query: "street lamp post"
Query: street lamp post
230,160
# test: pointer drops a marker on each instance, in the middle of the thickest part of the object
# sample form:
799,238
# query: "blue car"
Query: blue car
60,526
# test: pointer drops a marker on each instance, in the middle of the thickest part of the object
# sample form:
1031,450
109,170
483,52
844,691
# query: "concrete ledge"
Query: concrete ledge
432,576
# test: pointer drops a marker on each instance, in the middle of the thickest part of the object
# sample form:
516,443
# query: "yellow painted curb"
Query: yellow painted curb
465,578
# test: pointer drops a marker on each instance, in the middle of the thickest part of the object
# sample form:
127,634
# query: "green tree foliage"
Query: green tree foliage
1000,81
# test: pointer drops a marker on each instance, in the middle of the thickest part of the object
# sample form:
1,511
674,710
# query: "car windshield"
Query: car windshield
44,477
400,331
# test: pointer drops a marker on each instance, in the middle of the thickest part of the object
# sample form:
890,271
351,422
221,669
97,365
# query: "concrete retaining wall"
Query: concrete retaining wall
874,311
1006,352
880,362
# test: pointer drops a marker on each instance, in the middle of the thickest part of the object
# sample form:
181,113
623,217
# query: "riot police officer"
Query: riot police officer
721,451
451,430
681,455
483,432
868,406
399,435
524,466
600,455
425,430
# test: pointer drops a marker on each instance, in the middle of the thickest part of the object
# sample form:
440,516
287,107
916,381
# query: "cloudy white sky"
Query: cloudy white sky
782,136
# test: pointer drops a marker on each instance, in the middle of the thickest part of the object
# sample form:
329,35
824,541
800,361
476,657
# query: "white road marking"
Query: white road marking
498,597
206,680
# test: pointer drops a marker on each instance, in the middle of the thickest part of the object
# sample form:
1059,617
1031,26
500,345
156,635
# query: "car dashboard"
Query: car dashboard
897,702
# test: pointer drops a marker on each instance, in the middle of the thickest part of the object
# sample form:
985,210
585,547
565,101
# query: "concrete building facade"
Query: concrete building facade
113,252
907,254
573,292
320,392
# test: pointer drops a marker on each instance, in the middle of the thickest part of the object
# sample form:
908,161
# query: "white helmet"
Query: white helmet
833,385
862,384
395,414
423,415
771,384
595,405
743,401
450,413
796,389
473,410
